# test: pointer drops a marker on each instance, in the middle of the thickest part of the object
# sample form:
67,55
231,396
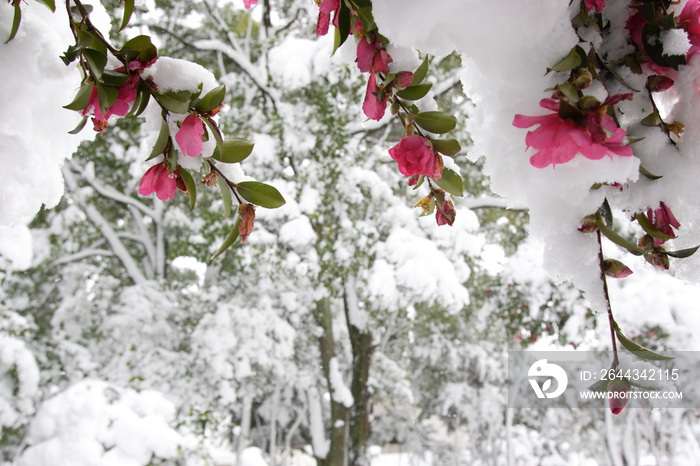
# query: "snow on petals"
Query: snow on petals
416,156
690,21
159,180
189,137
558,140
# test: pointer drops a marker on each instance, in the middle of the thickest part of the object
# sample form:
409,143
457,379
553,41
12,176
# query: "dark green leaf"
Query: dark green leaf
451,182
80,102
175,102
141,48
653,45
653,119
80,126
637,349
96,60
649,228
683,253
449,147
114,78
128,10
210,100
260,194
107,95
161,142
436,122
172,158
141,102
617,239
50,4
420,73
225,196
615,75
189,184
233,150
16,19
343,30
419,183
649,174
366,18
230,239
415,92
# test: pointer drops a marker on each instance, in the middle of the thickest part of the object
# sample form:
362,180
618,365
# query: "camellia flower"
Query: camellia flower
374,105
249,3
159,180
597,4
663,220
189,137
326,7
416,156
558,140
120,107
690,21
372,56
446,215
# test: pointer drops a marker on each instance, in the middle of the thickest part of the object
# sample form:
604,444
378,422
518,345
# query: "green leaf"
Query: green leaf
617,239
107,95
141,102
449,147
189,184
128,10
225,196
648,174
114,78
16,19
233,150
80,126
415,92
343,30
365,15
430,210
210,100
649,228
80,102
451,182
436,122
420,73
96,61
571,61
653,119
50,4
569,90
175,102
637,349
599,386
419,183
172,158
161,142
683,253
653,45
230,239
615,75
260,194
141,48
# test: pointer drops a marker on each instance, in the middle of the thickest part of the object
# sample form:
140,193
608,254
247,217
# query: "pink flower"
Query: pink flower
374,104
189,137
663,220
120,107
372,56
159,180
416,156
558,140
597,4
326,7
446,214
690,21
249,3
617,390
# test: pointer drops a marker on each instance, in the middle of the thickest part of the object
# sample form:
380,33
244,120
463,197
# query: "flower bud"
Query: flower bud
582,78
658,259
247,213
659,83
617,390
646,242
209,179
616,269
588,102
588,224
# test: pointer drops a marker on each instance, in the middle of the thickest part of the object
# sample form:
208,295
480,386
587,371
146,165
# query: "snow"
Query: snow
34,139
339,391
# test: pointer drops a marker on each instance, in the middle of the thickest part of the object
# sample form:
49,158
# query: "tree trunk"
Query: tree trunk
337,454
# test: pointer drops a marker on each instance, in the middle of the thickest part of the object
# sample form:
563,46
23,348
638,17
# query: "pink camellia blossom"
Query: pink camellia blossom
597,4
690,21
416,156
374,105
189,137
618,390
325,8
372,56
446,215
249,3
663,220
558,140
125,95
159,180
